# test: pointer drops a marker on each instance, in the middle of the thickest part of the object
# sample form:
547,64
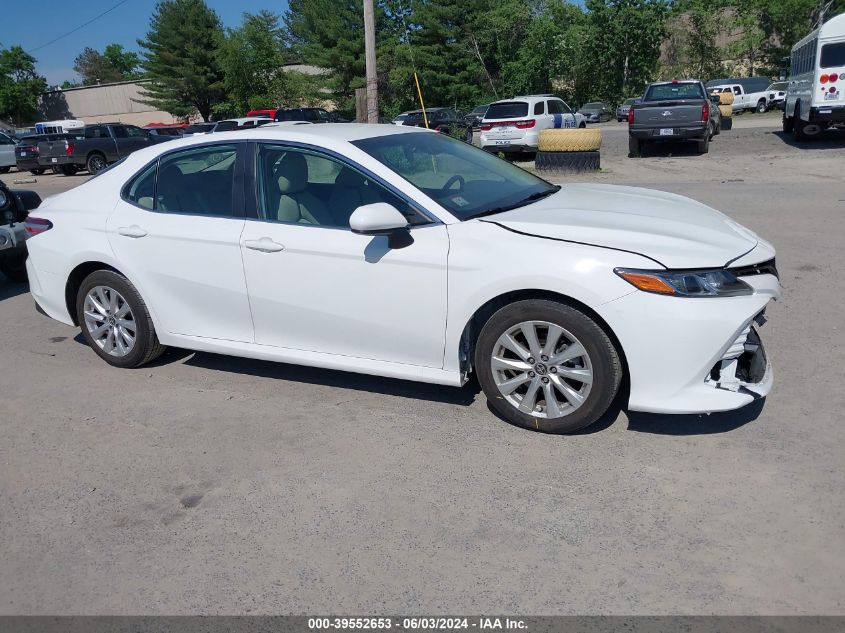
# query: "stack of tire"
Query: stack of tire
726,102
575,149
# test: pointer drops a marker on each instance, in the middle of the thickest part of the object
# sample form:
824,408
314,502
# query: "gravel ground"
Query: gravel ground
208,484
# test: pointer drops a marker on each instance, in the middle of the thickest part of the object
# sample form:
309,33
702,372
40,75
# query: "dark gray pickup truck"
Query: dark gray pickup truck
100,145
673,111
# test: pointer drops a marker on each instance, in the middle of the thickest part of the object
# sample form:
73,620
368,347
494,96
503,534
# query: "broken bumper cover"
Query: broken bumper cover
699,355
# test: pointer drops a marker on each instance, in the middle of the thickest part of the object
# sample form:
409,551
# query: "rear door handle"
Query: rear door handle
131,231
265,245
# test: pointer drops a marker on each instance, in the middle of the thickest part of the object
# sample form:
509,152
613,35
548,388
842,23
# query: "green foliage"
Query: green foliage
251,58
113,64
623,45
330,34
181,58
20,86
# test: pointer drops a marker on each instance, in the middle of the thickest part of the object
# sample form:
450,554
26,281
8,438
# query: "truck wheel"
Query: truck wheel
37,172
634,146
95,163
68,170
4,170
704,144
788,123
804,131
761,106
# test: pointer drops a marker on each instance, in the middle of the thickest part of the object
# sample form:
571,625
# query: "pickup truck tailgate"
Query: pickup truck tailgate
54,149
668,113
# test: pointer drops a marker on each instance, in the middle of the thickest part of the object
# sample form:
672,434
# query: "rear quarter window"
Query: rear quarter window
833,55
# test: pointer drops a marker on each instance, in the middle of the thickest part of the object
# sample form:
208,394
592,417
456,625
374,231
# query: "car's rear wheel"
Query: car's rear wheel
95,163
68,170
36,172
704,143
547,366
14,267
634,146
115,320
4,170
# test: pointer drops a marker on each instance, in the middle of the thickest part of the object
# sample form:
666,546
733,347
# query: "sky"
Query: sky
34,23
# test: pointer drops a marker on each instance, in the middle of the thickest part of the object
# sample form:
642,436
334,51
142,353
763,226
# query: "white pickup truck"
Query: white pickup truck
756,101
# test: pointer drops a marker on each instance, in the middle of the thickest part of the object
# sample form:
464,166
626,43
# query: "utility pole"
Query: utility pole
370,56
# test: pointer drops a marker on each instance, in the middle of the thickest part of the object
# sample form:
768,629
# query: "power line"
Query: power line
94,19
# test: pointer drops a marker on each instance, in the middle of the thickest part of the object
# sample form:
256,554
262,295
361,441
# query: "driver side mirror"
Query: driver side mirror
380,218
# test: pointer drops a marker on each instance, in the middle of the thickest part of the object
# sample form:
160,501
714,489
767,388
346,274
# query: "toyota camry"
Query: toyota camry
404,253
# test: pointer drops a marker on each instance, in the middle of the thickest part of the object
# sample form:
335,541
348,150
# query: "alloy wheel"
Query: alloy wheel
541,369
110,321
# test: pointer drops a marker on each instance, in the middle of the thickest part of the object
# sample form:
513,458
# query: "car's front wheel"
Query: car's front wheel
547,366
115,321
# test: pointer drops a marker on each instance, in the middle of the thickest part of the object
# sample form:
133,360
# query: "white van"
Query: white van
815,99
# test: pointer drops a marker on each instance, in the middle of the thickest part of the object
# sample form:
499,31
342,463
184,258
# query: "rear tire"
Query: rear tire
14,267
804,131
540,393
787,123
4,170
96,163
635,147
704,144
37,172
69,170
145,346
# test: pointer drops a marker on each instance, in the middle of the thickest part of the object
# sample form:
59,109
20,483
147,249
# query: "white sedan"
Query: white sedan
400,252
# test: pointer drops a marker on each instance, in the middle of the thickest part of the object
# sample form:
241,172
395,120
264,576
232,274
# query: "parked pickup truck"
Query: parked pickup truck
744,100
101,145
673,111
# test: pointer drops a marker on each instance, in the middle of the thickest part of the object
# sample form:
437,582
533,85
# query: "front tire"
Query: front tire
761,107
546,366
115,321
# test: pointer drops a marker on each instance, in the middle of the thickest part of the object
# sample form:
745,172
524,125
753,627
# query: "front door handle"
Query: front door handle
265,245
131,231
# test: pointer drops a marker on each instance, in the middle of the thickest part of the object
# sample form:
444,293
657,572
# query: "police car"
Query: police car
513,125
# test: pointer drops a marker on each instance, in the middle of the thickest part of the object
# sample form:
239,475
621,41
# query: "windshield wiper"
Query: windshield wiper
532,198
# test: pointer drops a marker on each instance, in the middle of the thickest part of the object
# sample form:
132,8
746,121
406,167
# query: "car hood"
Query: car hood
673,230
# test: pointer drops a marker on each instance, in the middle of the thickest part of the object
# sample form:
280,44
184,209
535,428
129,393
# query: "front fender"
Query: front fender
487,261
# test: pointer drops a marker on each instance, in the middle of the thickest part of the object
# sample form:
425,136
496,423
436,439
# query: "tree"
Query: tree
113,64
126,62
20,86
623,45
330,34
181,58
251,58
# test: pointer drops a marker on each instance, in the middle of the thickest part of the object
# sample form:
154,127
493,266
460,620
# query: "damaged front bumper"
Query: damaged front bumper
744,367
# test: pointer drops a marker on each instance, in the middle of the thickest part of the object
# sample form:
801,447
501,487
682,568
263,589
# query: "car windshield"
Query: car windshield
660,92
479,110
507,110
467,181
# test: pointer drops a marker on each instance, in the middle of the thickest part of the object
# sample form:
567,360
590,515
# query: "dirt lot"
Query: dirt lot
207,484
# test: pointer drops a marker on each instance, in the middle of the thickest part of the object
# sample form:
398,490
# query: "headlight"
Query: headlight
3,199
686,283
